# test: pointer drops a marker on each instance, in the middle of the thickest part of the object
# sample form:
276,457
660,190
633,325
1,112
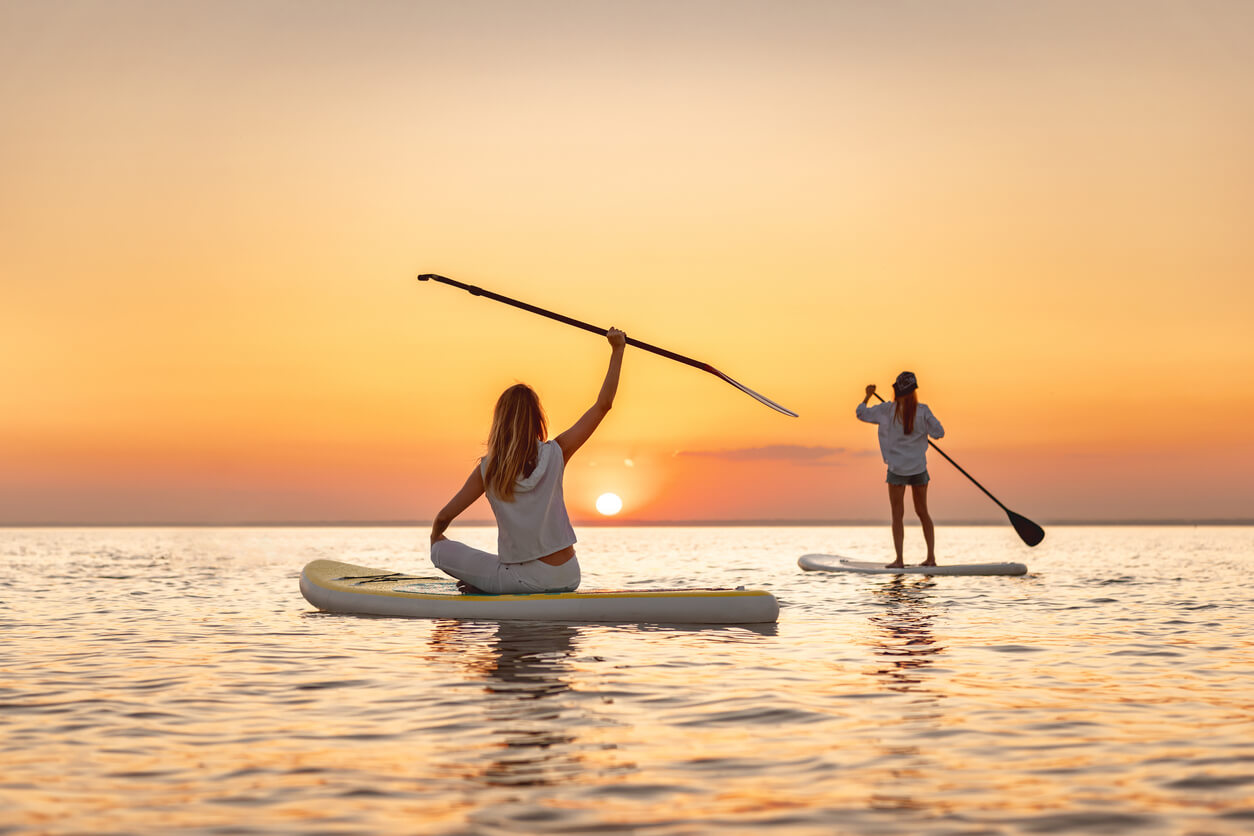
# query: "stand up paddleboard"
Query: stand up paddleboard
337,587
836,563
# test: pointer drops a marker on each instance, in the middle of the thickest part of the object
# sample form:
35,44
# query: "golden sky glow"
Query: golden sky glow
213,214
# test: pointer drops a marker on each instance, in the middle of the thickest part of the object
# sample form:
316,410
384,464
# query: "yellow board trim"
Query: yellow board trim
334,584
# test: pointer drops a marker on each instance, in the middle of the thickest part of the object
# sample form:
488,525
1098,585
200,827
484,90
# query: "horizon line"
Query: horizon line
613,523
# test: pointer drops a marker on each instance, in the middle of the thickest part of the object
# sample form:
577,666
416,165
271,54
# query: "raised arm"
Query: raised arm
472,490
582,430
863,410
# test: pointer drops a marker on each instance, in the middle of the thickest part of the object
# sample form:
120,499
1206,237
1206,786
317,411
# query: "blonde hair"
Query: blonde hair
518,425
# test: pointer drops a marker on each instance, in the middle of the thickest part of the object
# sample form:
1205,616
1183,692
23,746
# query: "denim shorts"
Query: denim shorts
912,479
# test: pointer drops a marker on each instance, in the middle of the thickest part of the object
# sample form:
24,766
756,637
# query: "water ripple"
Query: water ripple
174,680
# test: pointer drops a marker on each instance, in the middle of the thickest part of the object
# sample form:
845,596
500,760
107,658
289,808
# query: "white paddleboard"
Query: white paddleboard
332,586
836,563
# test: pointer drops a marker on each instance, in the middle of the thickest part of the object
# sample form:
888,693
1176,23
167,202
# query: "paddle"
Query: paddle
1028,530
705,367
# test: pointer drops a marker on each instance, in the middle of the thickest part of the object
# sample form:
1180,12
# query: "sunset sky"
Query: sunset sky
212,215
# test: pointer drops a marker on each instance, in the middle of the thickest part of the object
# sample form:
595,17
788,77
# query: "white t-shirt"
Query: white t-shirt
904,454
535,524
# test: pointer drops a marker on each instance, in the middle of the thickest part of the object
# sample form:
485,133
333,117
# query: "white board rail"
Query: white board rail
836,563
337,587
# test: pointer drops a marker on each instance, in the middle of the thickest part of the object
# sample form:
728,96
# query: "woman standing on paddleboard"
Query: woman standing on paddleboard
522,476
905,425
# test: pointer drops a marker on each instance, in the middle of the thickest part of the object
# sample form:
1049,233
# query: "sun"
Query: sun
609,504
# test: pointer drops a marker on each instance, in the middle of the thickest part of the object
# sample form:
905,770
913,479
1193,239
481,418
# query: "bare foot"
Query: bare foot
467,589
896,565
931,561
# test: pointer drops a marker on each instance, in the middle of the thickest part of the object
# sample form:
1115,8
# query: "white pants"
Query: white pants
485,571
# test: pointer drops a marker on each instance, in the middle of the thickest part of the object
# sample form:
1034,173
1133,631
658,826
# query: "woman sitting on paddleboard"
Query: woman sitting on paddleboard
905,425
522,476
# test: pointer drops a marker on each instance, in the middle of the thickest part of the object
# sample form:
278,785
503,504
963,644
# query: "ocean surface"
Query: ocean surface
175,681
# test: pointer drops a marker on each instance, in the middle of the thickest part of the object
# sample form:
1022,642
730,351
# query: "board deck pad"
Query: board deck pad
836,563
332,586
449,588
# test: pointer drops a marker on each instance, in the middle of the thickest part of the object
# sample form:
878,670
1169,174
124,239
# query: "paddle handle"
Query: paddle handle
661,352
974,481
578,323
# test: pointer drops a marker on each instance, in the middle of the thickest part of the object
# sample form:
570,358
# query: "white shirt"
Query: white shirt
535,524
904,454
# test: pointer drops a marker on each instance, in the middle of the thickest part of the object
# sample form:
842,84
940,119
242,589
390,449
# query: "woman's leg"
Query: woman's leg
929,531
481,570
897,501
538,576
485,573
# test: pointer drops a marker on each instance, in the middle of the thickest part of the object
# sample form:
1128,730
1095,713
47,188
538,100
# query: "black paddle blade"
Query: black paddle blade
1028,530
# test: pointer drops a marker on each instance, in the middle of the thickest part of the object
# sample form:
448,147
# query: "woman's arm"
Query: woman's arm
582,430
863,410
472,490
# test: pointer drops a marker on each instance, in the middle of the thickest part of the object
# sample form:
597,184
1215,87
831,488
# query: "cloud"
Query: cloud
795,453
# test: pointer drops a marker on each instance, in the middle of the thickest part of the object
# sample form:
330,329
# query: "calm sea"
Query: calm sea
174,680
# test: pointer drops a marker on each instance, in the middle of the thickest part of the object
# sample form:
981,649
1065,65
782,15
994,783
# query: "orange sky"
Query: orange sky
213,214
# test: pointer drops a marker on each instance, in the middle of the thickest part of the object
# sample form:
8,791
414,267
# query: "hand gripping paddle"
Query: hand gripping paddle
697,364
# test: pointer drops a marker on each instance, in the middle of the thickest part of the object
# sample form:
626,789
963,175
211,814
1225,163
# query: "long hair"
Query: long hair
904,408
518,423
